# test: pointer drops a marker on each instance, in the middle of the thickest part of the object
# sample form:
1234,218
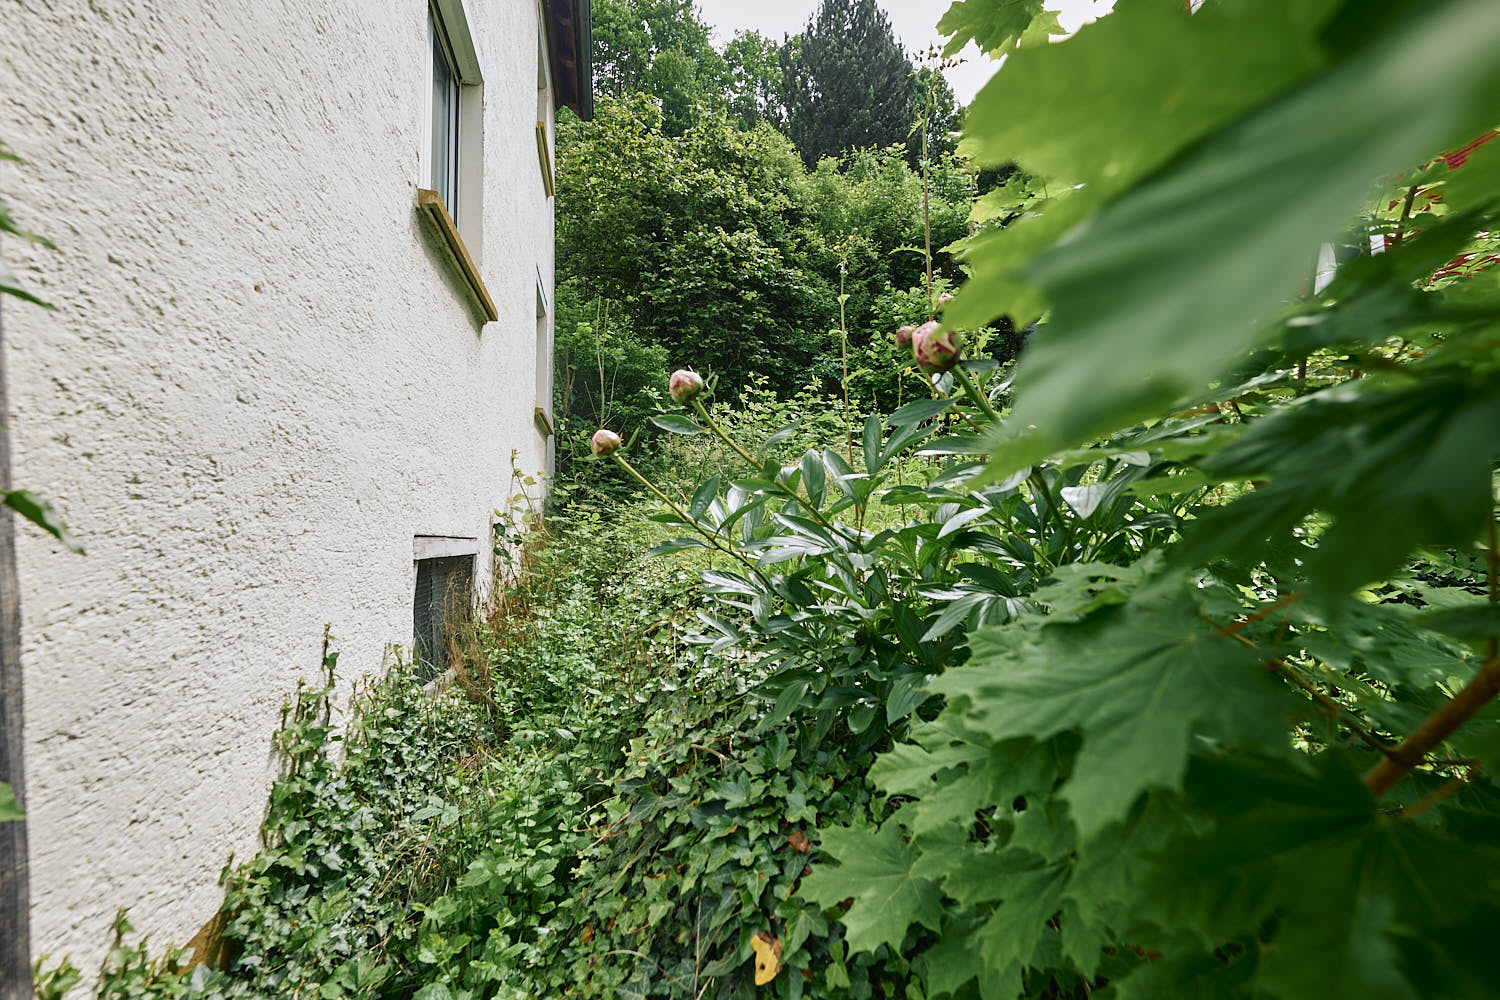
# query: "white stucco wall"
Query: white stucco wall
263,378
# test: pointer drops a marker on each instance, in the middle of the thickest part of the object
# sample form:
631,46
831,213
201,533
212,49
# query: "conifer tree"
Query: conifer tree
846,82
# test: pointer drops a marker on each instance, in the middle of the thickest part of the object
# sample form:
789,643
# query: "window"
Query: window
451,161
445,101
444,594
543,112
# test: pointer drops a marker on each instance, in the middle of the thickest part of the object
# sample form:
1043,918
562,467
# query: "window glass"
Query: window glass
444,117
443,595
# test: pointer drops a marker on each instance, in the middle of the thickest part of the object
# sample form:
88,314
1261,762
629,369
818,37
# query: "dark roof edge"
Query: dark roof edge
570,50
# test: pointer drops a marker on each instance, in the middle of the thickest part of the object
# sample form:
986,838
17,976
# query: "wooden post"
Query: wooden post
15,928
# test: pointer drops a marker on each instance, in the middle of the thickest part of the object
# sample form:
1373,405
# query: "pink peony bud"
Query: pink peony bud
903,335
945,298
685,385
605,443
936,349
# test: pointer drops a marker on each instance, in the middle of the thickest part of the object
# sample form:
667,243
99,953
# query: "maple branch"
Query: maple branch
1448,788
1280,668
1264,612
1437,727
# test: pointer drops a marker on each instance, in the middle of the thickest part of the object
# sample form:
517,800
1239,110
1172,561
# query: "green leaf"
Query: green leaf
1172,281
1139,683
922,409
706,494
994,26
907,769
1473,622
1010,939
39,511
1191,977
1362,900
9,286
1421,452
10,809
675,545
860,718
814,477
870,440
875,869
676,423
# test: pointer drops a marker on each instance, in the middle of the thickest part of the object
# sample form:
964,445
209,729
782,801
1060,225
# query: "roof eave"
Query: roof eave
570,45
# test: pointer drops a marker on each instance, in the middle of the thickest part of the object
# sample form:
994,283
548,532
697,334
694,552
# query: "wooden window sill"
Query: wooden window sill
432,203
545,157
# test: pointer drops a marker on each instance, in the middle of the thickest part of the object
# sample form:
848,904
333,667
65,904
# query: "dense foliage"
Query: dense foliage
1161,665
1203,655
847,83
719,245
692,218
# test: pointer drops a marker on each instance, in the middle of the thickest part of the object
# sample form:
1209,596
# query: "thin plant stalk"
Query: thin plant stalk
713,539
709,422
844,351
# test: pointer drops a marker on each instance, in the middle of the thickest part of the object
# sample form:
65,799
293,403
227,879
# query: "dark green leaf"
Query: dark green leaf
40,513
1138,683
1172,280
676,423
876,870
922,409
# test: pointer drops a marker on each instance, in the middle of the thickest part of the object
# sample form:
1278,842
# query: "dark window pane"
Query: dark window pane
444,119
444,589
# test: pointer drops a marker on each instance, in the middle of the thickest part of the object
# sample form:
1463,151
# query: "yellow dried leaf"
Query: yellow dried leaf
767,957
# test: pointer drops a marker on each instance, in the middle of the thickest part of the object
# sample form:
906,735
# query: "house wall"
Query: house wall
263,377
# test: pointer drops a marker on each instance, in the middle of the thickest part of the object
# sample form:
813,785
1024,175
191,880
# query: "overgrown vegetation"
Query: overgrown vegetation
721,203
1162,664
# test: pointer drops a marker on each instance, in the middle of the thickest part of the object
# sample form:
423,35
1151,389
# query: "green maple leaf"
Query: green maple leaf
876,870
993,26
1138,684
1172,278
1360,899
1033,892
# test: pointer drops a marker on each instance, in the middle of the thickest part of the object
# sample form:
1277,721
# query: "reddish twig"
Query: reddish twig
1264,612
1436,728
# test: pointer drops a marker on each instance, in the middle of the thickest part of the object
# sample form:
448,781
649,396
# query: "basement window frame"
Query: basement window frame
454,561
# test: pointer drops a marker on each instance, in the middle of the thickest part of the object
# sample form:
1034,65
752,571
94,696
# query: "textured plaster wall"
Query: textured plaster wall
263,378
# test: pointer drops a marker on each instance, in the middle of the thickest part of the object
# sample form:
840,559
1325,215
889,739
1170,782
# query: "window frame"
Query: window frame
450,151
444,132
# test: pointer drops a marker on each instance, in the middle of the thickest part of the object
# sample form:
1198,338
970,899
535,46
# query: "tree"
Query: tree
661,48
847,84
753,71
702,238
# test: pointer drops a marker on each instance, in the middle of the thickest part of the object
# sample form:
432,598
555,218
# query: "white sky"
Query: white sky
914,22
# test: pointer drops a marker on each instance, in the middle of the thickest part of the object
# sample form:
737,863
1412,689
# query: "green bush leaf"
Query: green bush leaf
875,869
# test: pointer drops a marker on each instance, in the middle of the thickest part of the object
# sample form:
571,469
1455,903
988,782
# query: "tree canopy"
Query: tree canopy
847,84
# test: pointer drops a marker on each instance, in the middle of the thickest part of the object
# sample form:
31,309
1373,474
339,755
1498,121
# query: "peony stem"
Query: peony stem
972,388
713,539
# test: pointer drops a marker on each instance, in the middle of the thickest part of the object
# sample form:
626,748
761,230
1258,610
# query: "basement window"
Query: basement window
443,596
